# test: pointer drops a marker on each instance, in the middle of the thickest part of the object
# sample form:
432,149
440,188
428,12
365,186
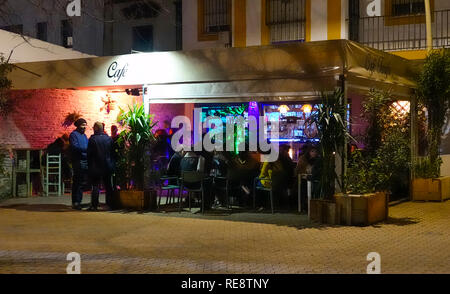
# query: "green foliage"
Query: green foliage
384,164
434,93
133,144
333,132
375,108
71,118
428,169
2,159
5,86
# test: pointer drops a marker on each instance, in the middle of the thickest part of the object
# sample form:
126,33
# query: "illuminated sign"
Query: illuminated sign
116,73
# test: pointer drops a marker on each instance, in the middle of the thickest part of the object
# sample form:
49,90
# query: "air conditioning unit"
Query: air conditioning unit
224,38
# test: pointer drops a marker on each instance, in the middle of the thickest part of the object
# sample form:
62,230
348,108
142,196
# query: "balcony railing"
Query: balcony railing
401,33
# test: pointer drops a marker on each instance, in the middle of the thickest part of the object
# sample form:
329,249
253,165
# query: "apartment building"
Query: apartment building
104,27
389,25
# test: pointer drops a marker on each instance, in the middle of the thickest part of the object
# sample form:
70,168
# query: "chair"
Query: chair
52,176
192,177
224,184
170,188
156,183
264,189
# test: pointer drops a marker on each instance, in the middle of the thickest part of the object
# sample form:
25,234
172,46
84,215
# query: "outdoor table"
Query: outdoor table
308,185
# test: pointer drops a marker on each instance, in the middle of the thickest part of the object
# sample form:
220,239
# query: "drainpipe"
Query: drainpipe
428,24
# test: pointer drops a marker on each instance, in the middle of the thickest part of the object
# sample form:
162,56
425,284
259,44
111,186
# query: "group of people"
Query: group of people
93,161
241,170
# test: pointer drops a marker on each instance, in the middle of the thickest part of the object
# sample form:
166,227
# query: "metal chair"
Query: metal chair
193,177
157,183
224,184
264,189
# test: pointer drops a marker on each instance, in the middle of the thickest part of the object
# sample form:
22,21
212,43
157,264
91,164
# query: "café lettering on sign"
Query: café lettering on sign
116,72
377,64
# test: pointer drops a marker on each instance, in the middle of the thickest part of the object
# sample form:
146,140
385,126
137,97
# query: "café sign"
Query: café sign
116,71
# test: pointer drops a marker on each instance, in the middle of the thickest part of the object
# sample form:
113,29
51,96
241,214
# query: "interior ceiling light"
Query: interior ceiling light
307,108
283,108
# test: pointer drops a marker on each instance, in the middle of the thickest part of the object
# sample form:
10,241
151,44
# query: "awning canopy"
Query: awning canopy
229,74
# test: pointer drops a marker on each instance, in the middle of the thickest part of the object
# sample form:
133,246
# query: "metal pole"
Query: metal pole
428,25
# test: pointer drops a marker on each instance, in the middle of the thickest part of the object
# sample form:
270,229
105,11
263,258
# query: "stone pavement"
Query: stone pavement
36,234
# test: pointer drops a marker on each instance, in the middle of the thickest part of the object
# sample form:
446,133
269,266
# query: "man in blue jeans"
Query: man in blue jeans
78,146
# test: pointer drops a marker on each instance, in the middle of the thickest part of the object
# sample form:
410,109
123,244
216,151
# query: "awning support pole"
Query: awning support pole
428,25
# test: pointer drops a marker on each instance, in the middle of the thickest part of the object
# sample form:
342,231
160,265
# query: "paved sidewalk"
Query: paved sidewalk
37,233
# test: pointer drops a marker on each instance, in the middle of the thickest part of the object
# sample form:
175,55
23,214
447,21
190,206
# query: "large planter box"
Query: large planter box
362,210
355,210
322,211
431,189
138,200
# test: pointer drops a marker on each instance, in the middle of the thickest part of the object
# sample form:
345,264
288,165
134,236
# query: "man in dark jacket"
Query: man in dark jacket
78,146
99,153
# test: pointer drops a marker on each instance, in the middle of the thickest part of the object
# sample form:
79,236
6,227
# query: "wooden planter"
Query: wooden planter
138,200
431,189
362,210
356,210
322,211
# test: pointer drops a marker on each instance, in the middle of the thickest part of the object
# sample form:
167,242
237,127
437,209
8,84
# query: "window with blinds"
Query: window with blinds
286,20
216,16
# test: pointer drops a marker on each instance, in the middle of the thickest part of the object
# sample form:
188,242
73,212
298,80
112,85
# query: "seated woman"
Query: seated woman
278,175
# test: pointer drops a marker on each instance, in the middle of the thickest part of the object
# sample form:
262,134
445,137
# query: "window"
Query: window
286,20
407,7
404,12
142,10
214,16
67,33
41,31
143,38
17,29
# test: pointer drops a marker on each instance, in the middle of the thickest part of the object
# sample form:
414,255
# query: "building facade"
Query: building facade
397,26
104,27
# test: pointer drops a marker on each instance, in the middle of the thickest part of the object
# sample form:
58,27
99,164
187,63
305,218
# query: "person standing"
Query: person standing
78,146
99,153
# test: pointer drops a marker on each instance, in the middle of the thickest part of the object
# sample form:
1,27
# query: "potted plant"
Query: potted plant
133,163
333,133
434,93
382,168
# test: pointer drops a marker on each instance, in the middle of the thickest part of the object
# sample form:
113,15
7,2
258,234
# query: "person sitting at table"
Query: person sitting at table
192,161
219,170
278,174
307,161
174,166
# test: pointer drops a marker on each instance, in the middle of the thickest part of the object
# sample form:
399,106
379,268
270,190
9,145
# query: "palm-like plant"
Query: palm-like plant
333,133
134,141
434,94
